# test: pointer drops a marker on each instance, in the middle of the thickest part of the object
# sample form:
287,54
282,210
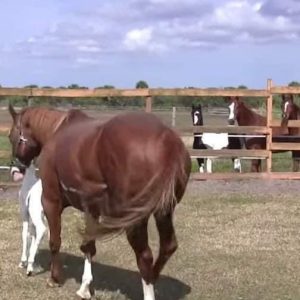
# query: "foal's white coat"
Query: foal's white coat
32,216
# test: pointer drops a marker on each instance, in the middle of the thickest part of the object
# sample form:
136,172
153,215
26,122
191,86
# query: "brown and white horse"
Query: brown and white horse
245,116
118,173
291,111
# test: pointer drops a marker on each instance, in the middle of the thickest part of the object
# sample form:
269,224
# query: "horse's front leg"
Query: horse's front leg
53,211
89,249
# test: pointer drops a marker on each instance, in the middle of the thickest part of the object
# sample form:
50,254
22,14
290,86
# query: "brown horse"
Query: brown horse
118,173
290,111
247,117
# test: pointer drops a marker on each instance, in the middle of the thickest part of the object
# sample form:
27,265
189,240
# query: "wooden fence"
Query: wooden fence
147,94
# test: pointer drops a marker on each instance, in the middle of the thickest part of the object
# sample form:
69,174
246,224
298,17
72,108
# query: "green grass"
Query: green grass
231,246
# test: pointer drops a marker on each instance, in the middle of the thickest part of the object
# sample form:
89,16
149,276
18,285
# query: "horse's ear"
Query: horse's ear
237,98
292,98
12,111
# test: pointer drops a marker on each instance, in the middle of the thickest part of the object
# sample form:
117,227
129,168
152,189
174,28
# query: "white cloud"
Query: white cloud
157,26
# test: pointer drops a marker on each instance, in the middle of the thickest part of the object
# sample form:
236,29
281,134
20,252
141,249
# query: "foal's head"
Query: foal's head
288,108
197,115
24,146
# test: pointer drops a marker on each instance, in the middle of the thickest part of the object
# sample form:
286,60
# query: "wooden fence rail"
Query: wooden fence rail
148,94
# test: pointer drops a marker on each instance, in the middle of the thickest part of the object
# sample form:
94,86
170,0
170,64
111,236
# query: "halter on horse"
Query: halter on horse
214,141
121,171
247,117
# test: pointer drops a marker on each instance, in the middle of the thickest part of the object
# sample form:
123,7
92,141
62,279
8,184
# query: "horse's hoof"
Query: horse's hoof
29,273
52,284
23,264
84,295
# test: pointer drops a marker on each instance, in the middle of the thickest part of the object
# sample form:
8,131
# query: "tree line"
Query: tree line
119,102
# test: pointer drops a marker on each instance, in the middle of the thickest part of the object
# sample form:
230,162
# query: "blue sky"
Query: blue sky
168,43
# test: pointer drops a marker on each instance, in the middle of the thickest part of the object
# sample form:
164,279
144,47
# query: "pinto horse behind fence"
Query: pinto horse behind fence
118,173
247,117
214,141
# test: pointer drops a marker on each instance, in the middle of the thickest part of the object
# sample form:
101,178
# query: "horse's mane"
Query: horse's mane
48,120
251,114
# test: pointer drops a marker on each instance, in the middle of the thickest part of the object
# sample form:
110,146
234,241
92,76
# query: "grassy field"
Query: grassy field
235,242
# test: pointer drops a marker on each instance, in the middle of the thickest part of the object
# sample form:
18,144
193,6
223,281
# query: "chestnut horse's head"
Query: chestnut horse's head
233,105
197,115
24,145
287,109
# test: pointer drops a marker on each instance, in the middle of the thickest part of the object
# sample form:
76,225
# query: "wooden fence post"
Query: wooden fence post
148,104
269,123
173,116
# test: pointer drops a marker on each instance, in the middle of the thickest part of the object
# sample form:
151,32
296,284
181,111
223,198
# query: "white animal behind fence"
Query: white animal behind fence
32,215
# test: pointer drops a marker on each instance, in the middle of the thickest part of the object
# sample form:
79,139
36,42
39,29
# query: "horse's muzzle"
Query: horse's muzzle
231,122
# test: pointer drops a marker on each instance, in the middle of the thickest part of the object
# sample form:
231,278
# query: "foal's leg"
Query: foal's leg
138,240
168,242
53,212
89,249
25,232
40,228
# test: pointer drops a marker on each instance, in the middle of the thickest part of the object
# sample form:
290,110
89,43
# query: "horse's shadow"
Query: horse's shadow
112,278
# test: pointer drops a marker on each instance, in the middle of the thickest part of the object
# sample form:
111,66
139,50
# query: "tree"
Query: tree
242,87
73,86
31,86
294,83
142,84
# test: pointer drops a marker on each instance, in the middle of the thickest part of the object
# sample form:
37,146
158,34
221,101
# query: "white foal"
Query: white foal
31,213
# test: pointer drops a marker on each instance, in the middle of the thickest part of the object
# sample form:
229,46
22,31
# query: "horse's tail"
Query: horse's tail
160,196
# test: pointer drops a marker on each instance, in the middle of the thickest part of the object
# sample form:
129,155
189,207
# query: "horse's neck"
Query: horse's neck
297,113
247,116
296,116
45,124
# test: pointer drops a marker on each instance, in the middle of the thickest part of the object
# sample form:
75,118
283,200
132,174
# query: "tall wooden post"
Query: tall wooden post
269,124
174,116
148,104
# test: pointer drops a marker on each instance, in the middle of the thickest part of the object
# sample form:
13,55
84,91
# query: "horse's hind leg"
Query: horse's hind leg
201,164
89,249
256,165
168,241
138,240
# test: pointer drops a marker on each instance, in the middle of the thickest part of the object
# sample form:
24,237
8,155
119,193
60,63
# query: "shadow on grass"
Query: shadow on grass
112,278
